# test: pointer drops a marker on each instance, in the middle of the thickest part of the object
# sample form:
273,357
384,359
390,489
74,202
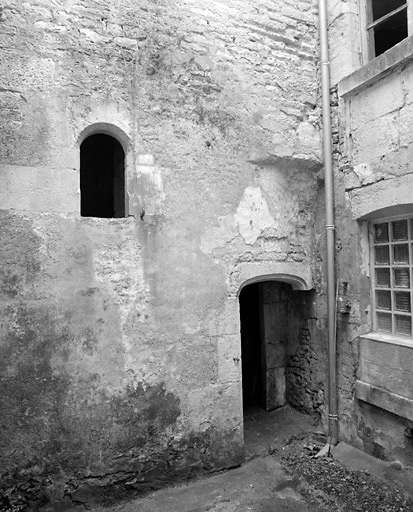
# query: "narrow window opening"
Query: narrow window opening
102,177
388,24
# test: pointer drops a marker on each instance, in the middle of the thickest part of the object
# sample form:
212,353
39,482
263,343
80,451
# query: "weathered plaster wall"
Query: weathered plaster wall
120,337
85,361
373,178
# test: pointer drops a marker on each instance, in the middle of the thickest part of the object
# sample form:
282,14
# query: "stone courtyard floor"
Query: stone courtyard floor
282,474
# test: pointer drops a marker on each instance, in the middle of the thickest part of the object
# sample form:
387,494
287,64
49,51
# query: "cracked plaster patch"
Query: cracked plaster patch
253,215
153,185
119,267
364,173
219,235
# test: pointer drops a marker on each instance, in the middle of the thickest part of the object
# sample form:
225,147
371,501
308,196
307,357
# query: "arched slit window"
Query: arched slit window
102,177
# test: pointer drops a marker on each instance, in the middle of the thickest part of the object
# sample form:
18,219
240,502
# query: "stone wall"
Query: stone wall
294,355
120,338
371,109
345,38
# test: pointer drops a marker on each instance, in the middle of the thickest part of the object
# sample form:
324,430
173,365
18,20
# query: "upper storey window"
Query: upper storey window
102,177
387,24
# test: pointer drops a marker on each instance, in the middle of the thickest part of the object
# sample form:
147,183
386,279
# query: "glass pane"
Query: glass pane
384,322
400,230
382,255
390,32
401,253
383,7
402,300
401,277
381,232
383,299
383,277
403,324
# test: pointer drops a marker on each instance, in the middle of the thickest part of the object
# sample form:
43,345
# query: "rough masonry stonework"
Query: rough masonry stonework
120,338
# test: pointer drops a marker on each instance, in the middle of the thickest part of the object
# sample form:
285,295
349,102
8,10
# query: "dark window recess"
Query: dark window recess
102,177
382,7
389,24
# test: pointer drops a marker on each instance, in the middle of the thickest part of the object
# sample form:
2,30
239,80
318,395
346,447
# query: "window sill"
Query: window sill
377,68
384,399
385,377
388,338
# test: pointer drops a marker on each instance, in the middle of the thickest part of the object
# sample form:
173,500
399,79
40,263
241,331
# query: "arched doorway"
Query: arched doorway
102,177
279,359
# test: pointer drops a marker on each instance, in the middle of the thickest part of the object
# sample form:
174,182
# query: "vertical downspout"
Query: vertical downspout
330,228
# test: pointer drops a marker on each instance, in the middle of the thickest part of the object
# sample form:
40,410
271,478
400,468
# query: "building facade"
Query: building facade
156,158
162,237
371,67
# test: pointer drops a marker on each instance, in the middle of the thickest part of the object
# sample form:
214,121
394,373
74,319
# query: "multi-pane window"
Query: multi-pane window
392,263
387,24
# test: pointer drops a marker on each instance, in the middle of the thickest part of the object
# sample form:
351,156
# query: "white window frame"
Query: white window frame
392,266
366,19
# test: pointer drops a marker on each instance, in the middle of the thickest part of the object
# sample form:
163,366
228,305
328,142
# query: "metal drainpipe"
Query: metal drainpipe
330,228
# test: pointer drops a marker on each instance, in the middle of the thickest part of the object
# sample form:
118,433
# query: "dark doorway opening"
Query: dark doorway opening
252,392
280,363
282,377
102,177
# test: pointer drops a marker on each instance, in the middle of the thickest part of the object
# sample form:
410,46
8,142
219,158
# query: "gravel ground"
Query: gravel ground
330,486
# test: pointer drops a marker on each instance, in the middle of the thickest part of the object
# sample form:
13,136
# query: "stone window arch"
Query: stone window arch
105,170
